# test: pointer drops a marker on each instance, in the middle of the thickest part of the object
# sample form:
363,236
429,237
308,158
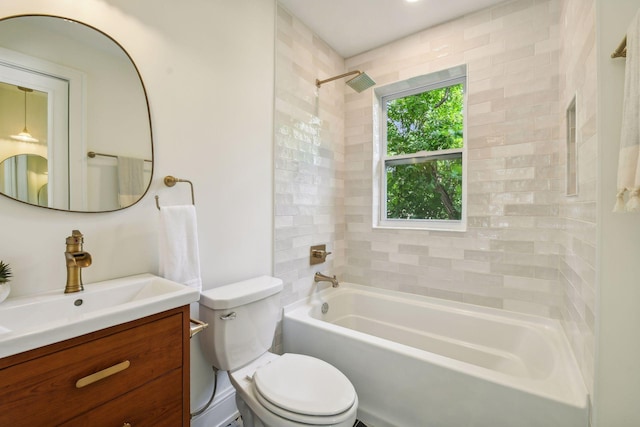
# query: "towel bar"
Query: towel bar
170,181
199,326
93,154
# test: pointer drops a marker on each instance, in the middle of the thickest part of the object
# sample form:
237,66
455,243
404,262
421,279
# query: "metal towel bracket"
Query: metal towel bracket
197,326
170,181
621,50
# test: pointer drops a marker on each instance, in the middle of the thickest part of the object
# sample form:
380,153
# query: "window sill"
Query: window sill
426,225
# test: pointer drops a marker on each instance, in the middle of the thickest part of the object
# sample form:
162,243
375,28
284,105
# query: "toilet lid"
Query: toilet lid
305,385
314,420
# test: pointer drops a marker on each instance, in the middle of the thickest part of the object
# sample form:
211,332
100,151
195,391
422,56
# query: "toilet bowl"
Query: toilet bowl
294,390
289,390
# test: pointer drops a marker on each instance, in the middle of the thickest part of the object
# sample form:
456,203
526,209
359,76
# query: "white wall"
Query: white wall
617,380
208,69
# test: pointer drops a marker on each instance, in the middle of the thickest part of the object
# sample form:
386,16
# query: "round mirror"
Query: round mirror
72,96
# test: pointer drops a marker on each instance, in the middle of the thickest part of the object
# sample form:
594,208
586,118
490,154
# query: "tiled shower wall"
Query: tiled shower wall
508,257
309,156
528,248
577,262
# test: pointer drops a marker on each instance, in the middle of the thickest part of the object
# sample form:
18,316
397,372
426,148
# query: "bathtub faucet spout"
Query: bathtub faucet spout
319,277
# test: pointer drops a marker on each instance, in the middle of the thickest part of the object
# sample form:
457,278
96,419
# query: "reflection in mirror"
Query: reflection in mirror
74,90
24,177
25,135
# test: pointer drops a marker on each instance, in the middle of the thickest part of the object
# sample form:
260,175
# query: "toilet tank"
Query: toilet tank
242,320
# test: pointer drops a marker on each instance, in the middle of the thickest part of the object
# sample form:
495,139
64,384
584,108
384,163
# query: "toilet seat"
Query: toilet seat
304,419
304,389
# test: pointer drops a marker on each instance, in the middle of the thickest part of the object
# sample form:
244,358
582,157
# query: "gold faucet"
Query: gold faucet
319,277
77,259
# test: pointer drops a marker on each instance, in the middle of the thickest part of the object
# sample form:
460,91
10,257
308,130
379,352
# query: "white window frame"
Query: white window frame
412,86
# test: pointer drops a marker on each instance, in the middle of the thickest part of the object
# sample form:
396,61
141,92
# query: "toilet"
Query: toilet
271,390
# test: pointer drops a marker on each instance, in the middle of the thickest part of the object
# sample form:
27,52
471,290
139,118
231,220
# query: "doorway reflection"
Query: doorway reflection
24,169
25,177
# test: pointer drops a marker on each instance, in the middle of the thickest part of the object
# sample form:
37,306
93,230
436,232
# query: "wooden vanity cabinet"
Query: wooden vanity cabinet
135,374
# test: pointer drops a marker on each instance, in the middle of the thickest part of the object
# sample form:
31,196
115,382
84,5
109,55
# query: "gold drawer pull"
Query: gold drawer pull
90,379
126,425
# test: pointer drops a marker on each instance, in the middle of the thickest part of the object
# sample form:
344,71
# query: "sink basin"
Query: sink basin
34,321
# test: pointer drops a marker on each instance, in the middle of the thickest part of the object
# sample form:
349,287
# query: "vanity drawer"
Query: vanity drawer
156,404
44,391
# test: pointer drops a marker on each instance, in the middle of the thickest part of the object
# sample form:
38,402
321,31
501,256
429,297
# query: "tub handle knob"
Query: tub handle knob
318,254
229,316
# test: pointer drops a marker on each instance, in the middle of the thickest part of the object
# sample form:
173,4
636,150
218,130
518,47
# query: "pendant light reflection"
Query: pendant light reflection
25,136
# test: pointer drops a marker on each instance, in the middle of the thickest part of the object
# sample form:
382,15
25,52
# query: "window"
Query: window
421,152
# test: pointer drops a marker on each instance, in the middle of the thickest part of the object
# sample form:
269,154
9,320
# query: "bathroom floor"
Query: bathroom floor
238,423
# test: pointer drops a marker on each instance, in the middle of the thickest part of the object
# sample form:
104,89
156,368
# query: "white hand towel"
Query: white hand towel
178,245
130,180
628,163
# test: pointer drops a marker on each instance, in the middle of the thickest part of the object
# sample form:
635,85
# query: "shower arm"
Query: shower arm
321,82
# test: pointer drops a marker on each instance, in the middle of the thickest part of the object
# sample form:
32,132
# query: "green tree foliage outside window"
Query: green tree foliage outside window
423,182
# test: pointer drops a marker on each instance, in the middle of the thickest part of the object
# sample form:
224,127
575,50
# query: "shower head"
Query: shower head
358,83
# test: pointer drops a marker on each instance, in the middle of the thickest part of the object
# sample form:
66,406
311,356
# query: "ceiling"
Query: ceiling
351,27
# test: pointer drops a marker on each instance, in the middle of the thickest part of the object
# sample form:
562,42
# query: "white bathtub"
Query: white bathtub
424,362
